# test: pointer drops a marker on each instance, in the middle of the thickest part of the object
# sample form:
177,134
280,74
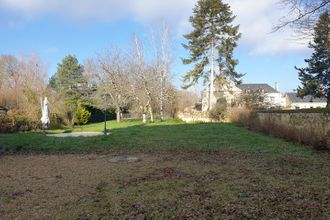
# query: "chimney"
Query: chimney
276,86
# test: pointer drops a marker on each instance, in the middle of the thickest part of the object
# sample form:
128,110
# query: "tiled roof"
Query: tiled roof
308,98
257,87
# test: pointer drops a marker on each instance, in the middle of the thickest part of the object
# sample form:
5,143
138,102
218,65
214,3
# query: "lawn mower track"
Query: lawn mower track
223,184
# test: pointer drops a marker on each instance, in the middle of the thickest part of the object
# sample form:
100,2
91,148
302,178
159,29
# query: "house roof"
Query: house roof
255,87
308,98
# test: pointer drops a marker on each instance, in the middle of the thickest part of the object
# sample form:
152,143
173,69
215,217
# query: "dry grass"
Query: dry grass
179,185
238,115
312,135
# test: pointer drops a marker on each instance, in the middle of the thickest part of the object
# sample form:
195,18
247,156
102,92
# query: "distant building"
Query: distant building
295,102
230,92
272,96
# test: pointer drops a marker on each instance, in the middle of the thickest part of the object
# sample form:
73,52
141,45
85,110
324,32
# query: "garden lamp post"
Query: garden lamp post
105,114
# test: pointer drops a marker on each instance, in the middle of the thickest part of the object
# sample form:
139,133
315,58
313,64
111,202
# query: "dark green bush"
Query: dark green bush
97,115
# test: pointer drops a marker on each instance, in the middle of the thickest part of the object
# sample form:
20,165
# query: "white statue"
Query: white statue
45,113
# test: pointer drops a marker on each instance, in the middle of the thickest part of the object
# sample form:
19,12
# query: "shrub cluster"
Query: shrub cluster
13,122
81,115
218,112
238,115
56,121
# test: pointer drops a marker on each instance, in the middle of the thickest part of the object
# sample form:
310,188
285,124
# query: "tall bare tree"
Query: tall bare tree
112,76
145,81
23,83
8,80
303,14
162,60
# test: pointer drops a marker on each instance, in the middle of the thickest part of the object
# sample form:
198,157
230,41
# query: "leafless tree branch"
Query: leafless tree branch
305,13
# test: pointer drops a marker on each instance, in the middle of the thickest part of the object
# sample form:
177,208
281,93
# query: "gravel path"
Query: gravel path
77,134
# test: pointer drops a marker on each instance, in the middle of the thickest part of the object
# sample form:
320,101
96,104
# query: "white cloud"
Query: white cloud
256,21
256,18
104,10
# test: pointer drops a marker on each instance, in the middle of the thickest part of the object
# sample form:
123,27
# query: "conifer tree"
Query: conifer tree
315,78
211,44
70,83
69,77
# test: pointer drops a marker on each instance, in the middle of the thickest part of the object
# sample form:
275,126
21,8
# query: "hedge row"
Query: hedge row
307,110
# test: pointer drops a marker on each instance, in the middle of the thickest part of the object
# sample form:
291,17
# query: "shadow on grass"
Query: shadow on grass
160,136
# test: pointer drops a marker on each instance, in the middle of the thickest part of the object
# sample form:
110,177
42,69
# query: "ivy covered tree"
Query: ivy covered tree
211,44
315,78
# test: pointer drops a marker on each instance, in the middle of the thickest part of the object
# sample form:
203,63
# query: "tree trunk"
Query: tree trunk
196,90
162,98
328,100
144,118
151,114
118,115
211,76
72,119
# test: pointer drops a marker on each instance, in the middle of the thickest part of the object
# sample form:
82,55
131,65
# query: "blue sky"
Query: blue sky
54,29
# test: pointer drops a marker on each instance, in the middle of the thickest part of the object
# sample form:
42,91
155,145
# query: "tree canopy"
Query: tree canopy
71,84
69,78
213,39
315,78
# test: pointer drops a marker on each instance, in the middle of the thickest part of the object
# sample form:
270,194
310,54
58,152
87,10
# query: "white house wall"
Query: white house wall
275,99
302,105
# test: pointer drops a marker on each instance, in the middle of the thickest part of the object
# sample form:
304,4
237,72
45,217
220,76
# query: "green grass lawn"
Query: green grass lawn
169,135
184,171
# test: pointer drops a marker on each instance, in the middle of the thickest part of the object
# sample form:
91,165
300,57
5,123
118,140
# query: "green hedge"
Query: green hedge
97,115
307,110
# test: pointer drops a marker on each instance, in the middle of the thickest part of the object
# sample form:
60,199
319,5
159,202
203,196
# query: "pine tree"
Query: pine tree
315,78
69,78
211,44
70,82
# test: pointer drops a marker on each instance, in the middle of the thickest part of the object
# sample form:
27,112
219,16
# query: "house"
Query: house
228,93
295,102
272,96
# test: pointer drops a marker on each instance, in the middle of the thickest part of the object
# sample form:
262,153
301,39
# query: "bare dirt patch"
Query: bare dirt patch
77,134
123,158
192,185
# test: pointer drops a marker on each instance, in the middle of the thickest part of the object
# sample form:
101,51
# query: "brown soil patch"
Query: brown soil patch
174,184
